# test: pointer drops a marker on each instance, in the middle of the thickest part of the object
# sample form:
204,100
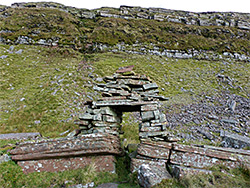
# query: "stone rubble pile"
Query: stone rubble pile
125,92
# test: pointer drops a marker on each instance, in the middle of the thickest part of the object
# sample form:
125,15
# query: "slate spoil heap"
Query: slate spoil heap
125,92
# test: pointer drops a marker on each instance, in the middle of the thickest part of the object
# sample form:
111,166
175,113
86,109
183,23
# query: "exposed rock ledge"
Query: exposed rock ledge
229,19
152,49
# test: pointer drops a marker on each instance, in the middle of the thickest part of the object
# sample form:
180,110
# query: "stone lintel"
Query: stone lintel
153,151
150,107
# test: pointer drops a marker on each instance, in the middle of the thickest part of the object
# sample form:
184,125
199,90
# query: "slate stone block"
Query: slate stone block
181,171
150,129
86,116
150,86
147,115
149,107
157,114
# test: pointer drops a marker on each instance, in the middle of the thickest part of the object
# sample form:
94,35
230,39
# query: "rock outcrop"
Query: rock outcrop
229,19
148,176
210,36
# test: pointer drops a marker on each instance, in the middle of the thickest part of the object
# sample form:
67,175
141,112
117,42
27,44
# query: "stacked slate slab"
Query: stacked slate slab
125,91
180,160
59,154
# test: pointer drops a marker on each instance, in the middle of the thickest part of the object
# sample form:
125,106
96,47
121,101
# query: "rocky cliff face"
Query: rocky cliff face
230,19
132,29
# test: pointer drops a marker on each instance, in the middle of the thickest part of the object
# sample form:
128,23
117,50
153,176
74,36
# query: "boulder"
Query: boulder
234,140
4,158
149,176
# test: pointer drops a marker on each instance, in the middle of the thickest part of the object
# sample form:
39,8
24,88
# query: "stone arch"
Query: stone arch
125,91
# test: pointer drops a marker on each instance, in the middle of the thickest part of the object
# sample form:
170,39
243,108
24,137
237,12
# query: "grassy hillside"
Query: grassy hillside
40,24
43,87
65,29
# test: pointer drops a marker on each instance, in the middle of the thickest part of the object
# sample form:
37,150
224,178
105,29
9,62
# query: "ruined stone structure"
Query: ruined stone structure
99,127
126,92
157,157
197,157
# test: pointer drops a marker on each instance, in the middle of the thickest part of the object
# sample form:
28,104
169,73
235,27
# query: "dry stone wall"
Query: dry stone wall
180,160
125,92
68,153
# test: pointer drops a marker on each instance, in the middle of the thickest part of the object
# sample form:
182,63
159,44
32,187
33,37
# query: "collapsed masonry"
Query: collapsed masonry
99,139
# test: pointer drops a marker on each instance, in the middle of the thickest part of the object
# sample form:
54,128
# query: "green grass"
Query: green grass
11,175
49,85
43,89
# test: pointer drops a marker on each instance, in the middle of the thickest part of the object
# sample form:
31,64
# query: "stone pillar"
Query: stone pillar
153,124
100,120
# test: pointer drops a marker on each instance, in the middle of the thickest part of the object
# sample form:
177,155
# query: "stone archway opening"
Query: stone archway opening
129,134
124,92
